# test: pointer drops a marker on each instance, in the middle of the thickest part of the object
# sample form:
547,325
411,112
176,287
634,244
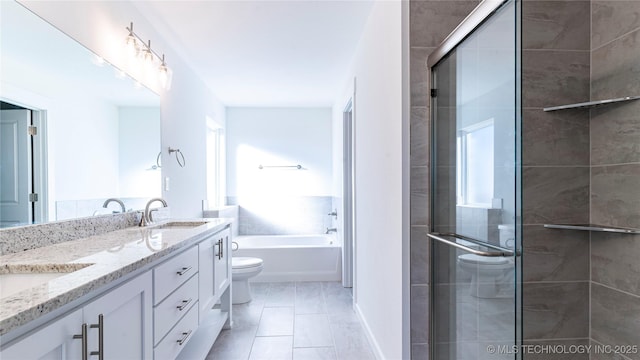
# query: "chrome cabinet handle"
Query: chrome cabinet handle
184,304
185,336
184,270
83,337
100,326
219,254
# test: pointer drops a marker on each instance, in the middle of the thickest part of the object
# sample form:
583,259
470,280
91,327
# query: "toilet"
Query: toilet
243,269
490,274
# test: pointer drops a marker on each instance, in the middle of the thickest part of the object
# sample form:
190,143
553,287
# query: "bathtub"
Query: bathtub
293,257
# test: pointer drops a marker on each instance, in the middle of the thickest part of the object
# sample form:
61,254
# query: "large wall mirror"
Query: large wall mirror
74,130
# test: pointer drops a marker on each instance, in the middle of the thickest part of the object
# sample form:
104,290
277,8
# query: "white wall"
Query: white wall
100,26
139,135
378,177
279,136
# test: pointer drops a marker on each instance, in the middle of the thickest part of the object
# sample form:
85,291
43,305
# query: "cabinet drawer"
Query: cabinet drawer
178,337
169,311
173,273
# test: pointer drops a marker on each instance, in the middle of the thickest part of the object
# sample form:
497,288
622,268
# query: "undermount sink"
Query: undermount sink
181,225
16,278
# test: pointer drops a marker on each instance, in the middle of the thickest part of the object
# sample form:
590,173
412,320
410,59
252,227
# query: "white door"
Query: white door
15,167
125,313
348,195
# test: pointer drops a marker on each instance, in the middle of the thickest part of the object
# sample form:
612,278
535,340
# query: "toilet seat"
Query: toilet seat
238,263
482,260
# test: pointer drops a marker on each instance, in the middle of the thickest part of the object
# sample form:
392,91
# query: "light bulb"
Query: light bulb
132,45
164,76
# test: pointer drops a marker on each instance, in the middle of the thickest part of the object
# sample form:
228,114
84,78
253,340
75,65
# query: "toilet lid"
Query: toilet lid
477,259
245,262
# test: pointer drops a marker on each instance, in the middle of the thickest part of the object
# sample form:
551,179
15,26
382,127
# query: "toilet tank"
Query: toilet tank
507,235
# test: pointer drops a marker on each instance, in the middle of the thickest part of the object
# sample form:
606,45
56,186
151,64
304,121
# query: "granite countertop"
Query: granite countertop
91,263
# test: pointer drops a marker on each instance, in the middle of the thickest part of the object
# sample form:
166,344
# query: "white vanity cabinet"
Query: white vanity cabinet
175,308
116,324
222,270
120,322
54,341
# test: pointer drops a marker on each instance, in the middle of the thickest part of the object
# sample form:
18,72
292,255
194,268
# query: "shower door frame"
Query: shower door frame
467,27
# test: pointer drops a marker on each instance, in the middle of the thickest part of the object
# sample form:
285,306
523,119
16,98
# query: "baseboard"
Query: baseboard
377,352
297,276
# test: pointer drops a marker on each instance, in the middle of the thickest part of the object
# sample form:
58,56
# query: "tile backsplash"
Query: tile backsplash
283,215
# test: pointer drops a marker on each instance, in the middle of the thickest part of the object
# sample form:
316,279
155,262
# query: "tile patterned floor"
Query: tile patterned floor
294,321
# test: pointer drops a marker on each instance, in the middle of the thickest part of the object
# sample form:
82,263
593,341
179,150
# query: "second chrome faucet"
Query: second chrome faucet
147,218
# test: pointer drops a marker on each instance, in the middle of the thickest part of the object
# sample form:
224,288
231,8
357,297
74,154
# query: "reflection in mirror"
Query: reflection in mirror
74,131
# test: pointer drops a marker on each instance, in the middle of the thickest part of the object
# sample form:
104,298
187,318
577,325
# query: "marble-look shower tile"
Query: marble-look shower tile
615,199
554,77
614,261
419,209
555,310
272,347
420,352
602,355
419,195
277,321
614,68
615,134
564,345
420,314
614,317
419,76
420,255
419,136
312,330
432,21
555,195
556,25
555,255
611,19
555,138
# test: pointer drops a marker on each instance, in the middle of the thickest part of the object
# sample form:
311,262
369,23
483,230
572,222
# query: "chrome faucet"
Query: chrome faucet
330,230
146,216
106,203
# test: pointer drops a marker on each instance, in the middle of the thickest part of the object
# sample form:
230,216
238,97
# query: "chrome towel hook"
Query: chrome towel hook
182,162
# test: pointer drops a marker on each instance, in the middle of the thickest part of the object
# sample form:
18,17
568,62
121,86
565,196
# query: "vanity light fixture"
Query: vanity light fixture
137,48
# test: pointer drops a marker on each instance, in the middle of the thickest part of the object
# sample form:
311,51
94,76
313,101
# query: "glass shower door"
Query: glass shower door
476,231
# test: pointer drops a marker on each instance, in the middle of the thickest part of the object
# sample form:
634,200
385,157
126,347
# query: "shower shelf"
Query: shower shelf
591,104
593,227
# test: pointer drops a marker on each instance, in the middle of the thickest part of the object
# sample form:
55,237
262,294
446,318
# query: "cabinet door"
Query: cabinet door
207,251
126,321
52,341
223,262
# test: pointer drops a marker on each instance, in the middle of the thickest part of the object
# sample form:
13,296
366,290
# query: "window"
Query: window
474,177
215,164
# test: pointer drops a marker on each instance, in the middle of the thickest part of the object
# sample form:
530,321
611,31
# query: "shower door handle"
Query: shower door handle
500,251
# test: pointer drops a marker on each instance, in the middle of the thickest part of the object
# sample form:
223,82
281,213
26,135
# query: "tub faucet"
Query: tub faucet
106,203
146,216
330,230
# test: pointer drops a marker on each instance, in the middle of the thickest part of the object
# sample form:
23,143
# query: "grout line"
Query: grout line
616,39
619,164
624,357
617,290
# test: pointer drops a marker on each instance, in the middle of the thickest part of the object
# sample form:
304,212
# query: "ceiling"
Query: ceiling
265,53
